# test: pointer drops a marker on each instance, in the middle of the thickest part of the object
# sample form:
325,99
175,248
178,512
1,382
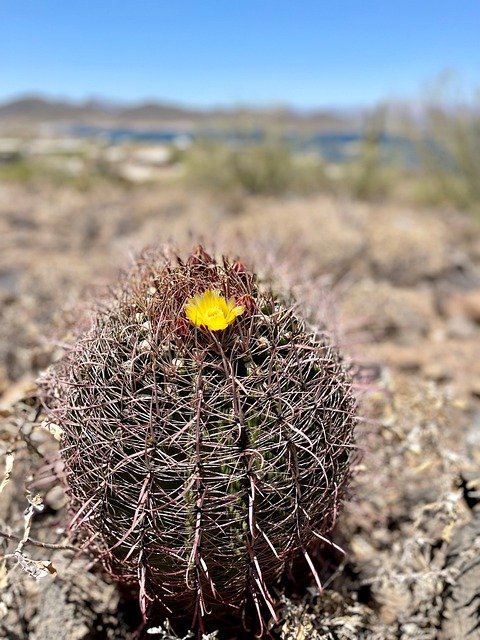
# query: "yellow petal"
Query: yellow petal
211,310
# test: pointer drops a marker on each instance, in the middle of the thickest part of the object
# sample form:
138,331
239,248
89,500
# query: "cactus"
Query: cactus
208,435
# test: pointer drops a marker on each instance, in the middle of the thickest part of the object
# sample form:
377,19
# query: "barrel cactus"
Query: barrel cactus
207,435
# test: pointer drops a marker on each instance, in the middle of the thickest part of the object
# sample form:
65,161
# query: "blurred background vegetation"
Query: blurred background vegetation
427,155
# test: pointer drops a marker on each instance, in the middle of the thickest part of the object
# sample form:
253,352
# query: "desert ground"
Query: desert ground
398,286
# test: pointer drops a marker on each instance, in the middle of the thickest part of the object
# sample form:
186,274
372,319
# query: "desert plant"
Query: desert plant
449,149
447,141
372,174
263,168
266,168
207,435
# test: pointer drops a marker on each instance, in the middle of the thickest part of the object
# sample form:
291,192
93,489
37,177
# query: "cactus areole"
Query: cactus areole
207,435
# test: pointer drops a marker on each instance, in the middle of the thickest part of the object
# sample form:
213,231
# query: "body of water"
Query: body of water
333,147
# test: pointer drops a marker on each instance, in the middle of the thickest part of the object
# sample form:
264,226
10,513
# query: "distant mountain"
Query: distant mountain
157,111
35,110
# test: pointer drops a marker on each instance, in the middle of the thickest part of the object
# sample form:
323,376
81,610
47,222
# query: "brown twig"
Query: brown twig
38,543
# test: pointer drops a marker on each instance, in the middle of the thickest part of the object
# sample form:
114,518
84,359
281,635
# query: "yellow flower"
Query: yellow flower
211,310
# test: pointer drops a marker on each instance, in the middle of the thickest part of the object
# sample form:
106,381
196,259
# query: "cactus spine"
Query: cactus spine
200,461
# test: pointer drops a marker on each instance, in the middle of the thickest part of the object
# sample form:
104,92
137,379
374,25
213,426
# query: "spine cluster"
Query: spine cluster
201,460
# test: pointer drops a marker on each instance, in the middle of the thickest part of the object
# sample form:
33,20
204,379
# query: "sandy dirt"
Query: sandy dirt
400,288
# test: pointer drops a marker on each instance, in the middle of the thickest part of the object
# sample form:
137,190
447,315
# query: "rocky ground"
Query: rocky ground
400,287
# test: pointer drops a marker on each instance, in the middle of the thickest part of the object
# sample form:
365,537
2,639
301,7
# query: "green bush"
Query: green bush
268,168
449,150
18,171
372,174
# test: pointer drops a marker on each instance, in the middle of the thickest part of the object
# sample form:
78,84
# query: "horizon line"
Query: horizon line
106,101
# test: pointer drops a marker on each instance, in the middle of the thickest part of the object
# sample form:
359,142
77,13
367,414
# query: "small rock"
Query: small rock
460,614
55,498
362,549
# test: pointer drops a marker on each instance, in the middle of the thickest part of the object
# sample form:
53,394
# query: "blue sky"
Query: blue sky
214,52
